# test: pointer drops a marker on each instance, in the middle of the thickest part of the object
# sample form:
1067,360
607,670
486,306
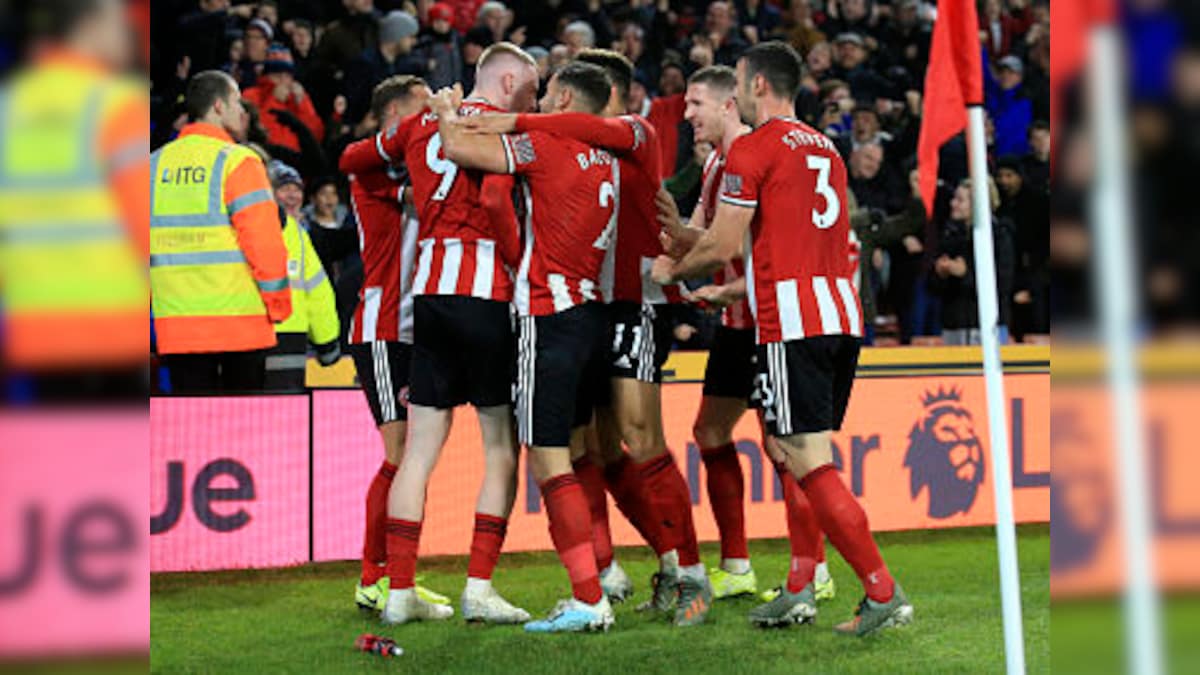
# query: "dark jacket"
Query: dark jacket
960,307
371,68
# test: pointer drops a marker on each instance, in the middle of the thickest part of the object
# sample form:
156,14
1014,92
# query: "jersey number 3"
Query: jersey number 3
441,166
833,206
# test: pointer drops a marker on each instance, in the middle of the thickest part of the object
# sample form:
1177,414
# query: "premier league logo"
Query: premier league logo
945,455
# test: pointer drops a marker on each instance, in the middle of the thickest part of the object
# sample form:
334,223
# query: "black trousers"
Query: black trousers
217,373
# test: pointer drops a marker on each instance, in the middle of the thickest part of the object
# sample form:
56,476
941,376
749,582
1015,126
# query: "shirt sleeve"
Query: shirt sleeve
615,133
390,142
526,153
255,218
743,175
125,147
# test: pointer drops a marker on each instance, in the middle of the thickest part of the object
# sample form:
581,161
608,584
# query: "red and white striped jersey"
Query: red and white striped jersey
571,192
736,315
387,238
797,267
625,276
458,250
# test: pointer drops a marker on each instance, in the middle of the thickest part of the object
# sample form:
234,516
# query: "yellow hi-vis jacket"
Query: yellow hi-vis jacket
314,306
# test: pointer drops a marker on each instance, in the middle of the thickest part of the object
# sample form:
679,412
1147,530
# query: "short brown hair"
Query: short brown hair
203,91
722,78
617,65
394,88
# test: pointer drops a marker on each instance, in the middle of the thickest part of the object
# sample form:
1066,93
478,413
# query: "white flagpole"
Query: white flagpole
1115,284
989,319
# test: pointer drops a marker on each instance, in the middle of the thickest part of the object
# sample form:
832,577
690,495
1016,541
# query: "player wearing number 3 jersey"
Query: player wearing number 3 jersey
783,203
570,191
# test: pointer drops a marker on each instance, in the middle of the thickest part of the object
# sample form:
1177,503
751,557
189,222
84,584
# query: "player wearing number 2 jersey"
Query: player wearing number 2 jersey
783,199
463,344
570,190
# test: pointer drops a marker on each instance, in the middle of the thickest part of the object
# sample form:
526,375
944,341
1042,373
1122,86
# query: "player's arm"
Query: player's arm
468,149
713,250
495,195
255,219
362,156
125,145
612,133
720,295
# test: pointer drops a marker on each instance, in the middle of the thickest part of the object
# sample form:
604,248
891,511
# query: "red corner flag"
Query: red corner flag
953,81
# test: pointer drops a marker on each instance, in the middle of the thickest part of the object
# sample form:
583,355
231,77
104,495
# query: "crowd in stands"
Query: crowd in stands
307,68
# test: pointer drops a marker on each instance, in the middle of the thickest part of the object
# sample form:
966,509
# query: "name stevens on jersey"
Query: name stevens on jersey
795,139
593,157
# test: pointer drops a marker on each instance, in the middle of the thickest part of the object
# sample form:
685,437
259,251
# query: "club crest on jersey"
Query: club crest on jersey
945,454
731,184
522,147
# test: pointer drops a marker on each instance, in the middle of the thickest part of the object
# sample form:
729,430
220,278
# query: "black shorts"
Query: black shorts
730,370
562,373
463,351
803,386
383,371
639,338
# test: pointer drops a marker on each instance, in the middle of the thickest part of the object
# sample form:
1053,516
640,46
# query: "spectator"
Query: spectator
1036,165
666,115
874,183
907,37
495,17
278,89
820,61
954,270
801,31
335,238
837,105
347,38
633,46
720,31
302,50
865,128
758,20
542,58
852,66
393,55
578,36
256,41
441,45
202,33
476,40
1010,109
1029,210
268,11
861,17
999,29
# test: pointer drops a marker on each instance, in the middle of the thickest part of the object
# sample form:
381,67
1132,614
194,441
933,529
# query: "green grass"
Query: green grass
303,620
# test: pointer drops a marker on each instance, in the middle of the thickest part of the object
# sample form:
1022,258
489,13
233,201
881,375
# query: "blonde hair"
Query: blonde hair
993,192
500,49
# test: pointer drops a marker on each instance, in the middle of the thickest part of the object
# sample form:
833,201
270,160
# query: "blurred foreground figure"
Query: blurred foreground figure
218,265
74,207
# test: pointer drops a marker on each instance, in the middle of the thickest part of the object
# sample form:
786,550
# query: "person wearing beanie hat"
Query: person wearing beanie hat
278,89
394,55
441,46
1008,104
314,308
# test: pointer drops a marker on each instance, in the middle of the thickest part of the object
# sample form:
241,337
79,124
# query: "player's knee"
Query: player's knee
709,435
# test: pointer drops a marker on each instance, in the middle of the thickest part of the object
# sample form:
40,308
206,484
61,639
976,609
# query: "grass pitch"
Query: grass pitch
303,620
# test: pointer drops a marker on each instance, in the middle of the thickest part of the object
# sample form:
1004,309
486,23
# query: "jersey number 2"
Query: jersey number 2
441,166
607,195
833,206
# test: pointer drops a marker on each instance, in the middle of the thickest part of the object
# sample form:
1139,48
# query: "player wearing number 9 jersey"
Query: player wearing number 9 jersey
463,342
570,190
783,197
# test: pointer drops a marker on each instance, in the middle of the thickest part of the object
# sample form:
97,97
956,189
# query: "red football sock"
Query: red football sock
845,523
570,529
671,504
486,543
592,480
821,550
804,534
403,539
726,495
625,485
374,554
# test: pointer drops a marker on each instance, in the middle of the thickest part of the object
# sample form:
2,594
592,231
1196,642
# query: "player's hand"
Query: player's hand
495,123
445,103
713,295
663,270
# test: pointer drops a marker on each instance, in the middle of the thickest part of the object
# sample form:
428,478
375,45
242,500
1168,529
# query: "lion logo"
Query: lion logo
945,455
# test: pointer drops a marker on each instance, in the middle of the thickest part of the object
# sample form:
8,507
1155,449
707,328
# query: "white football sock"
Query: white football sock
736,565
